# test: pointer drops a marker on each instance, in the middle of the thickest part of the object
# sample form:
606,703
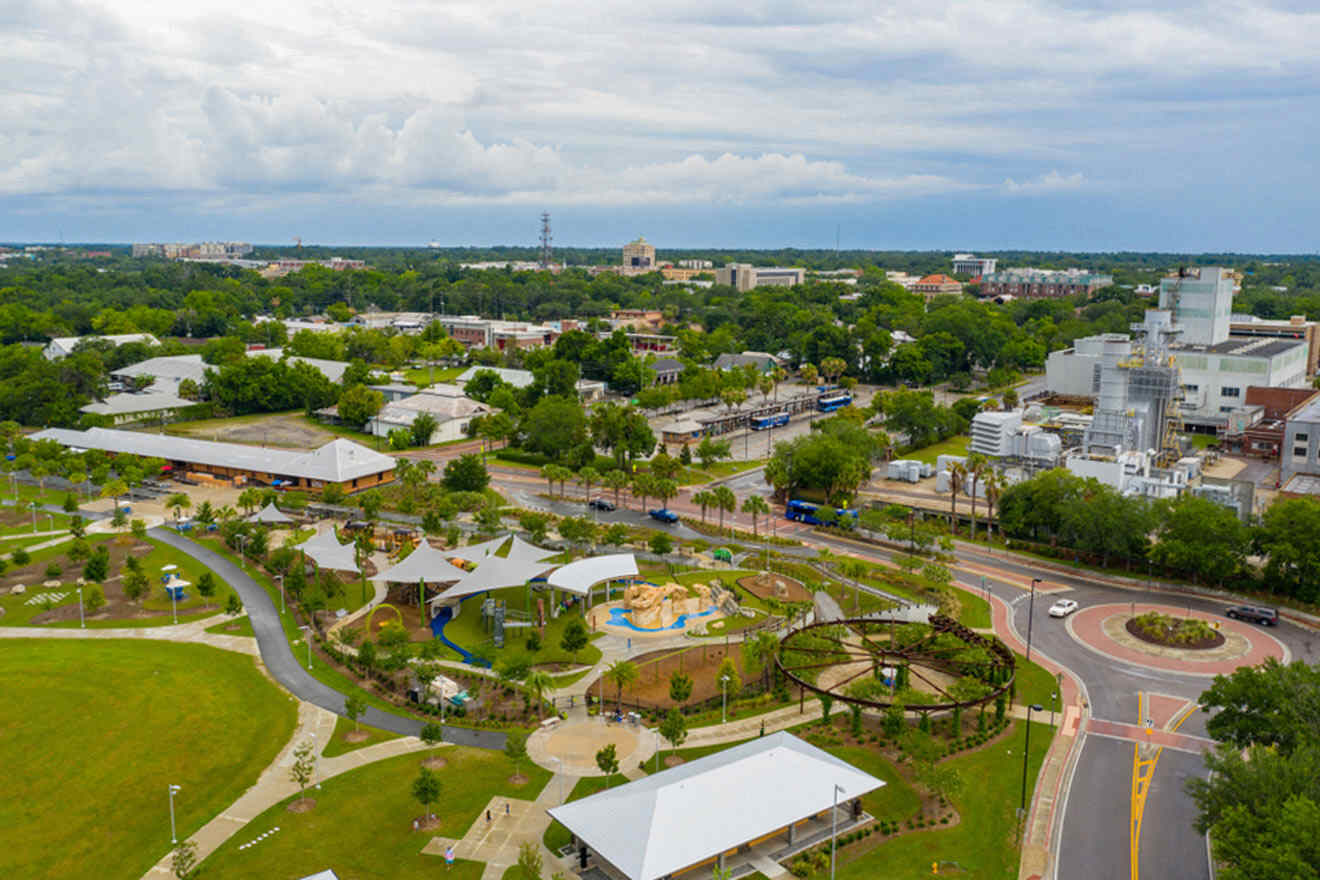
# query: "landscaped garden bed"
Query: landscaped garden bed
1165,630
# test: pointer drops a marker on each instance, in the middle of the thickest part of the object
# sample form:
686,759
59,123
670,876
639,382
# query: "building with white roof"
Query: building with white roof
706,810
63,346
170,370
149,405
342,462
447,404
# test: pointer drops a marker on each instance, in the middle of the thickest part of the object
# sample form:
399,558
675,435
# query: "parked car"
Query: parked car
1062,608
1254,614
601,504
664,515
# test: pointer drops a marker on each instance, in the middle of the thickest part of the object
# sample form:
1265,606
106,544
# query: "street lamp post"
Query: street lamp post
280,578
174,837
834,826
1054,702
1031,614
724,699
81,622
308,637
174,609
1026,753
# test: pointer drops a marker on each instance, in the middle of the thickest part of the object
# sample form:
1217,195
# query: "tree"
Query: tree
432,734
957,476
615,480
705,499
621,673
674,728
730,670
680,687
621,430
643,486
538,682
661,544
711,451
575,637
206,585
426,789
94,599
466,474
515,748
759,652
234,606
98,565
587,476
358,404
1270,705
354,707
1289,537
529,861
134,582
665,467
554,427
422,429
725,502
665,490
304,766
832,368
1202,537
183,864
756,506
249,499
115,489
615,535
607,759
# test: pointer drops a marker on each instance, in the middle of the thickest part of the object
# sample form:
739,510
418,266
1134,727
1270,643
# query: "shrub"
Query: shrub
20,557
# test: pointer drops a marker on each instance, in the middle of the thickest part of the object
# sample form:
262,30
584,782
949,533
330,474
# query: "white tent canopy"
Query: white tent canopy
581,576
425,563
521,551
661,824
477,552
270,514
326,551
494,573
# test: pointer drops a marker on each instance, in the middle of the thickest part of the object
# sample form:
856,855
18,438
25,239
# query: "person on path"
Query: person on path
487,817
506,808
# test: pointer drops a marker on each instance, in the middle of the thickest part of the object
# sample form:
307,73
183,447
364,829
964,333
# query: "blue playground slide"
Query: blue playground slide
438,622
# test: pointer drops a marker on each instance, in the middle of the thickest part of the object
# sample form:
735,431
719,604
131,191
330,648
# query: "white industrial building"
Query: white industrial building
447,404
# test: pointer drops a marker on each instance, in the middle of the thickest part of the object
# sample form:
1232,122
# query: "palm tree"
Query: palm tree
957,474
725,500
643,485
664,490
248,499
809,373
994,485
833,367
755,505
115,489
615,479
621,673
539,682
777,375
178,502
548,473
706,499
760,649
586,476
977,465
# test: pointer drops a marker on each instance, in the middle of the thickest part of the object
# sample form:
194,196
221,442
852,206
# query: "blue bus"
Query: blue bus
831,402
774,420
805,511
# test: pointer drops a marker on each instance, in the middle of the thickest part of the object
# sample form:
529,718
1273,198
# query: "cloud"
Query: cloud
1051,182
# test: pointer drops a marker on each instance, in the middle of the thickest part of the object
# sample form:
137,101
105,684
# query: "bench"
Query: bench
550,722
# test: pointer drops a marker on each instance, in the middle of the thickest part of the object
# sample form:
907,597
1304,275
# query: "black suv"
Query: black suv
1255,614
600,504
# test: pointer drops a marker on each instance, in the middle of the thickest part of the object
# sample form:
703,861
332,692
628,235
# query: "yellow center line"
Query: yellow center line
1143,771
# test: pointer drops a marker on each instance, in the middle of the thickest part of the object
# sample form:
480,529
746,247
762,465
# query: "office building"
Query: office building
744,276
968,264
1038,283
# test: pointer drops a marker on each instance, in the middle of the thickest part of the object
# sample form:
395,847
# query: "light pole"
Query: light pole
241,543
174,609
174,837
280,578
1031,614
1054,702
834,826
308,637
81,622
1026,753
724,699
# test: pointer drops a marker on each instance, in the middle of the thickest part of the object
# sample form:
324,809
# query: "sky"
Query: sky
1092,125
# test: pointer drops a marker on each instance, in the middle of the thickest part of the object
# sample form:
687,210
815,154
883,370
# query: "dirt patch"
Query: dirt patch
517,779
1212,640
654,669
302,805
772,585
427,823
356,736
288,430
435,763
673,760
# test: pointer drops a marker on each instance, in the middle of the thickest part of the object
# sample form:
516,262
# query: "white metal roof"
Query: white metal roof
123,404
175,368
425,563
338,461
580,576
64,345
326,551
495,572
661,824
270,514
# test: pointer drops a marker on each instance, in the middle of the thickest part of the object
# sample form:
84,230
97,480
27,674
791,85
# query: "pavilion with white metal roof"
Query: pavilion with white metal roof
580,576
769,789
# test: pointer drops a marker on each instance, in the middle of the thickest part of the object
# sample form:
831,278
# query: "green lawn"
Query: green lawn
338,745
984,843
952,446
46,522
1035,684
89,765
975,611
242,627
423,377
557,835
361,826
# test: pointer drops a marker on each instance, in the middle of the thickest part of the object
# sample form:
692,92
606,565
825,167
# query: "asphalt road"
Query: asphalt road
286,669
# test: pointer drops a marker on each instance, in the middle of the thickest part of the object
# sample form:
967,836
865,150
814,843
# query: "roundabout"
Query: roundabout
1103,629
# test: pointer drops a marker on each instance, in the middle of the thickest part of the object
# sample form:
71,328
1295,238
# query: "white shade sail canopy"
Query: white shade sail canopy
661,824
580,576
521,551
494,573
270,514
477,552
326,551
425,563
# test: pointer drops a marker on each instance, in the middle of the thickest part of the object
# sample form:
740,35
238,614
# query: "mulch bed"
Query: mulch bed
356,736
1206,644
302,805
772,585
655,667
435,763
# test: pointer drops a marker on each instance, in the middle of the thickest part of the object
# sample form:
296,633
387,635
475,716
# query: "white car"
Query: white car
1062,608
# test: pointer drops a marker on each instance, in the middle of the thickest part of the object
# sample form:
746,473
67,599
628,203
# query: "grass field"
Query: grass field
361,826
239,626
423,377
952,446
338,745
88,768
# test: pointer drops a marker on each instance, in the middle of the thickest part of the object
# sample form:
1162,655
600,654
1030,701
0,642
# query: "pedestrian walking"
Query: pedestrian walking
506,808
487,817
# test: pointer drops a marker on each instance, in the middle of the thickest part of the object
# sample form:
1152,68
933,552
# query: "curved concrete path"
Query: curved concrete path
279,659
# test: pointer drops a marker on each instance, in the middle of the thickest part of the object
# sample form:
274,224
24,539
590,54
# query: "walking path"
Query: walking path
274,785
194,632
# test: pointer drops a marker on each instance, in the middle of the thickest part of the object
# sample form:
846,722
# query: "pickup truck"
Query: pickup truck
664,515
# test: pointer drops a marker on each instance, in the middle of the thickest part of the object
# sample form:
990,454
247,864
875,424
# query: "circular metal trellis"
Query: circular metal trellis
872,644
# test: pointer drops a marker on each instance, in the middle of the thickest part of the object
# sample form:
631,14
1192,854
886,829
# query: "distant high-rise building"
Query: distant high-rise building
968,264
638,254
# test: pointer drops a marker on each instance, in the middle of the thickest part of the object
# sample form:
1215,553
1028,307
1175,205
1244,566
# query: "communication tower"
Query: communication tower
546,238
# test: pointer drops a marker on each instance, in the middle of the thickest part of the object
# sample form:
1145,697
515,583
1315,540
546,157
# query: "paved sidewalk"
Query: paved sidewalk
315,724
